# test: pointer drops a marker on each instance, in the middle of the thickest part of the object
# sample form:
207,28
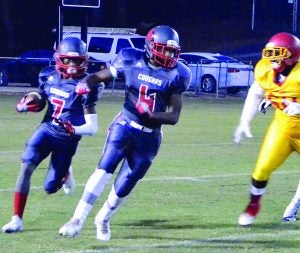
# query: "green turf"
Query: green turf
188,202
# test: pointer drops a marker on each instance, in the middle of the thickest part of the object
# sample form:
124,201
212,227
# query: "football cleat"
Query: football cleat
103,229
69,185
246,219
290,213
71,229
14,226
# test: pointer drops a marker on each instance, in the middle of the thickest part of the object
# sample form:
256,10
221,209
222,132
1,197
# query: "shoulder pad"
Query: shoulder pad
131,53
45,73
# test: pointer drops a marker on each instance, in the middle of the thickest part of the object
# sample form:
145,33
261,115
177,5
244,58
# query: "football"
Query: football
35,101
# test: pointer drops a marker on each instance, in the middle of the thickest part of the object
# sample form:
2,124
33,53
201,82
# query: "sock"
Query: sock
110,206
255,199
255,196
254,205
82,210
92,191
19,203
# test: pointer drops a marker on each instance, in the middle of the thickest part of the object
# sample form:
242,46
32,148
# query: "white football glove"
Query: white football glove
292,108
243,129
263,106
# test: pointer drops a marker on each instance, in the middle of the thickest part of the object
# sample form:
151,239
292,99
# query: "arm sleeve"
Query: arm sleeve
254,98
90,127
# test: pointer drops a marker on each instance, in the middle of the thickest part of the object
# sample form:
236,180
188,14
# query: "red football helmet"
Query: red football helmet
283,50
71,57
162,46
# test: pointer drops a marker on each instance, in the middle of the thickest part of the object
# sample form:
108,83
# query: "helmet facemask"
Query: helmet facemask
165,55
77,68
278,57
71,58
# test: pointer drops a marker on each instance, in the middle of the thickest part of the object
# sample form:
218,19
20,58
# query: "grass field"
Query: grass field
188,202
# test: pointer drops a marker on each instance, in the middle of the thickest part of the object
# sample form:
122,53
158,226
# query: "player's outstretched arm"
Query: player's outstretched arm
251,105
92,80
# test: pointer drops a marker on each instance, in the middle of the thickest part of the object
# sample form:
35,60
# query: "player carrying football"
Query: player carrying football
69,116
277,81
154,83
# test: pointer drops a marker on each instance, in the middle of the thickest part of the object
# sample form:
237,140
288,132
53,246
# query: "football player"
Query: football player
276,81
291,211
154,83
69,116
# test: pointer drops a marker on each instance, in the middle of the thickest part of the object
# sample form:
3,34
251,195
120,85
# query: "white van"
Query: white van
104,43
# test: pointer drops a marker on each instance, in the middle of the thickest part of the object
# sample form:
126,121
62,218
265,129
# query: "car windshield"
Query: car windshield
138,42
224,58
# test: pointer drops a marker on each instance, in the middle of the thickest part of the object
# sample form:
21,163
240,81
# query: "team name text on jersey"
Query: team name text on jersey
59,92
149,79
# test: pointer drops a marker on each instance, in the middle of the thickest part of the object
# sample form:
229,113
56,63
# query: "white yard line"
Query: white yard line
172,179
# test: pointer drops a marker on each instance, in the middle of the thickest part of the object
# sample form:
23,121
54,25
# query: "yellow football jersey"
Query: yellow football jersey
288,89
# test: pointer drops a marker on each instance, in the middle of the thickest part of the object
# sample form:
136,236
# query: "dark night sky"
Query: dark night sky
202,25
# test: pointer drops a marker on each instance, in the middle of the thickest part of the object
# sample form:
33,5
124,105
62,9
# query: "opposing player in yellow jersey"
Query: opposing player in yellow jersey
277,80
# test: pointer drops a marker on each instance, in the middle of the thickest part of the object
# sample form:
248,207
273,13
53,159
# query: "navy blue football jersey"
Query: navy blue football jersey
153,86
63,102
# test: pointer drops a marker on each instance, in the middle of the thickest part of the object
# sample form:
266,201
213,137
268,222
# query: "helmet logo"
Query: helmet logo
150,36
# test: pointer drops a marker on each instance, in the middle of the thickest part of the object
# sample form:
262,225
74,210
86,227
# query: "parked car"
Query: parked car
25,68
95,65
104,43
212,70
